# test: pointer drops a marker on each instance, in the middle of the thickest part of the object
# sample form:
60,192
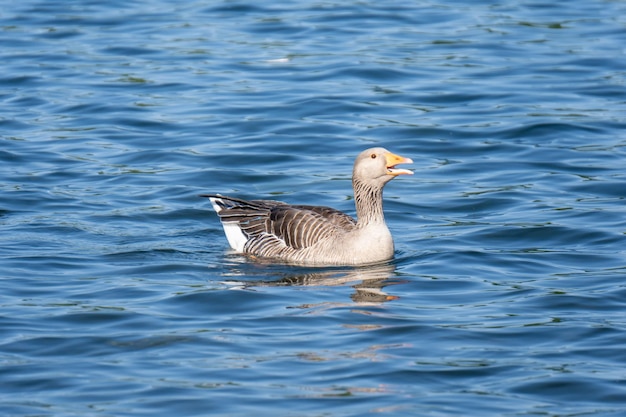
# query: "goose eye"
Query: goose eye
373,156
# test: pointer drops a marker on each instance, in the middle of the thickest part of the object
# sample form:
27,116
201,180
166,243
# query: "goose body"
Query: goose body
317,235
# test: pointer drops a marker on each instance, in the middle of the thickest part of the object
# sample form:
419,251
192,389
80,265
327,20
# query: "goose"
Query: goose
317,235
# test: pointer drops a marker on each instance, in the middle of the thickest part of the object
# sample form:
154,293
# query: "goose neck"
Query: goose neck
368,200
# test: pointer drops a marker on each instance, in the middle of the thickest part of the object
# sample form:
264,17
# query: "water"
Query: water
119,296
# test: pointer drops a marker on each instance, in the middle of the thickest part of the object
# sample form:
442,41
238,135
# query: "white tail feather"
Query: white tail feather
236,238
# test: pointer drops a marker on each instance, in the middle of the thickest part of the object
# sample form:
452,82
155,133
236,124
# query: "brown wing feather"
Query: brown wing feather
273,226
299,227
339,218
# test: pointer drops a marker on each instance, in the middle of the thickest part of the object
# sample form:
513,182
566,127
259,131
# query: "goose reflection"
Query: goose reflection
369,281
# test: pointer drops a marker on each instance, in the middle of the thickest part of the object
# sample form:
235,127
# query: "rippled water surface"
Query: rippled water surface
507,296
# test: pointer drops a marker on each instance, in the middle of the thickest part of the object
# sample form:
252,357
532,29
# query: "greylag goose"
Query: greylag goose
315,235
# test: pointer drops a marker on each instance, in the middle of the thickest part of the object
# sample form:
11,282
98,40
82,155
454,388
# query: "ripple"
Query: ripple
121,297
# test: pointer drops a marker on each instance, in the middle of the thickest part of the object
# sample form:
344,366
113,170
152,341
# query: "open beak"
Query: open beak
393,160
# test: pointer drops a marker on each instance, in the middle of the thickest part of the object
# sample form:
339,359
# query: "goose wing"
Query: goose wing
336,217
303,226
271,227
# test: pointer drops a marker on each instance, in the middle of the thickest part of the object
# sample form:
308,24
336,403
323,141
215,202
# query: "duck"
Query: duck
317,235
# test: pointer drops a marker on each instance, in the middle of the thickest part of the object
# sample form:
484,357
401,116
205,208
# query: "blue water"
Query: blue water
119,297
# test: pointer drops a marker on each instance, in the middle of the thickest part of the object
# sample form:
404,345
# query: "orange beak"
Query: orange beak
393,160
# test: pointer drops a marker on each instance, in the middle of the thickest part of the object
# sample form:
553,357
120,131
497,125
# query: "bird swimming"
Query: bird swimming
317,235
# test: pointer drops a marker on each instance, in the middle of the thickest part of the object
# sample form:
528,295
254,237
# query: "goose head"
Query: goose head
377,166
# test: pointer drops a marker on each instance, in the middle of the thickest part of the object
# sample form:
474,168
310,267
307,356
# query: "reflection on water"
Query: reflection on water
367,281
